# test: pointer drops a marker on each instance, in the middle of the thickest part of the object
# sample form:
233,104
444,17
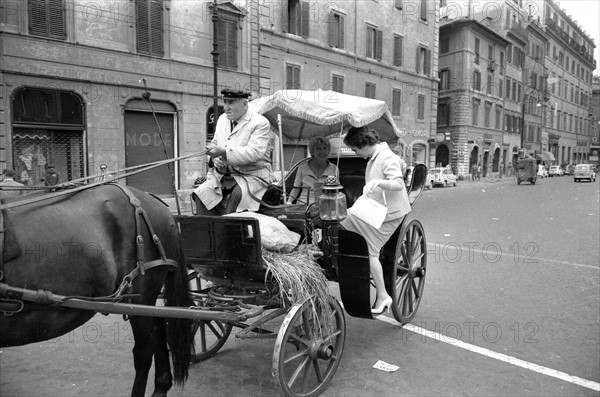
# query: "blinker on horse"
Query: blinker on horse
83,245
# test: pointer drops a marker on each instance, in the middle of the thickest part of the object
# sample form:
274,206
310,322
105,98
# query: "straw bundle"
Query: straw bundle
301,280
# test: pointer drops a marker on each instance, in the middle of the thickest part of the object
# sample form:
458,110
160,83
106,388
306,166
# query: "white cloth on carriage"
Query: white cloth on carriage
274,235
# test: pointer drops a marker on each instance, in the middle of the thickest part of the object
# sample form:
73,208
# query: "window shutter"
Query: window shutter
341,31
143,36
427,62
305,9
47,18
156,26
331,29
232,44
418,57
397,51
379,45
56,19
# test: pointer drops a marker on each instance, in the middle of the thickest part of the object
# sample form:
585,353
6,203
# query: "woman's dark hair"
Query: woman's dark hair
361,136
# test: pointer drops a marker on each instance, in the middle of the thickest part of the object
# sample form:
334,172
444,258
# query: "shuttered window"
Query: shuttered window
374,43
298,17
423,60
336,30
398,49
337,83
370,90
149,14
227,30
396,102
47,18
292,78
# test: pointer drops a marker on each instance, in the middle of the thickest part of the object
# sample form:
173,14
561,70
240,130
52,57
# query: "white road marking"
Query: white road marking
497,356
529,259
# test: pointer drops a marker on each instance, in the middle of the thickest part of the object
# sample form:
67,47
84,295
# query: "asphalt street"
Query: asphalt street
511,307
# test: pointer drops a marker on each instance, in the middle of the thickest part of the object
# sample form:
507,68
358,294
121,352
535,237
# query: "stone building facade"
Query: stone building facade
511,87
76,75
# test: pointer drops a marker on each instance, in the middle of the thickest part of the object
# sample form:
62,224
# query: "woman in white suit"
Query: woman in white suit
383,176
241,156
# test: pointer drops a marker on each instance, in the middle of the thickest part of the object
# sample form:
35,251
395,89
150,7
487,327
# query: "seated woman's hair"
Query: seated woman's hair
361,137
317,141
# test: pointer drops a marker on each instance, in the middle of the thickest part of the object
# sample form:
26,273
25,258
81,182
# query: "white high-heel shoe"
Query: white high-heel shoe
380,308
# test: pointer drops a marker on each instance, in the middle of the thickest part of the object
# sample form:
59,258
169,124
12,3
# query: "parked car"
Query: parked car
428,182
556,170
584,171
542,171
442,177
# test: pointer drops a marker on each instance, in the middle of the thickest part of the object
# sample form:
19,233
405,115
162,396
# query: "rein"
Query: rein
72,187
12,298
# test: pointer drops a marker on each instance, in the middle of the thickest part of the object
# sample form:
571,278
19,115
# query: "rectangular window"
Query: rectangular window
424,10
336,30
396,102
47,18
508,83
292,77
490,83
444,45
298,17
149,14
475,115
443,114
227,30
370,89
444,79
399,4
477,80
500,88
398,49
374,43
337,83
502,62
476,51
421,107
487,115
498,117
423,60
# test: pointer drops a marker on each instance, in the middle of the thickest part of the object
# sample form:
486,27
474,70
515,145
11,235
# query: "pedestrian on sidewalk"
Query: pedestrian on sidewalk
473,172
478,171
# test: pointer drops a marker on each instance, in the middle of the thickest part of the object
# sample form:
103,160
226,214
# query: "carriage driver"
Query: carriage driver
241,160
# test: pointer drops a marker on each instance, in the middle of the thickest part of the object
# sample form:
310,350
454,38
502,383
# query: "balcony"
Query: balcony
518,31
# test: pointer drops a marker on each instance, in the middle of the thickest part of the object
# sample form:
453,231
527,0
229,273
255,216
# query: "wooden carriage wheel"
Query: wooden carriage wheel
409,271
304,363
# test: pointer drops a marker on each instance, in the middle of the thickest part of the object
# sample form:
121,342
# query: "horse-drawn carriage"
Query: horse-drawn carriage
230,283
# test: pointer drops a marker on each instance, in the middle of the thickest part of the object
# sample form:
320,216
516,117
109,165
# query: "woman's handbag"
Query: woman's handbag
370,211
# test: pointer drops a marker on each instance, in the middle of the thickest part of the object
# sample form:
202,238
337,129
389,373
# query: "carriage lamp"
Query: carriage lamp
332,202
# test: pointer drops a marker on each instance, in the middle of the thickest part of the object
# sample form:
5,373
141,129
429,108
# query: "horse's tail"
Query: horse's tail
179,330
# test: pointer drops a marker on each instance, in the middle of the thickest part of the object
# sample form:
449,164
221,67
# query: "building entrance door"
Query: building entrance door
143,145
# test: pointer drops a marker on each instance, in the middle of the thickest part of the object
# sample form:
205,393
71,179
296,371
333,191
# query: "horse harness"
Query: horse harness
12,298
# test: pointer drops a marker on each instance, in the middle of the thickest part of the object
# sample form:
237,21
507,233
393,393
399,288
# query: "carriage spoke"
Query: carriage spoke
415,288
203,337
318,372
303,365
301,353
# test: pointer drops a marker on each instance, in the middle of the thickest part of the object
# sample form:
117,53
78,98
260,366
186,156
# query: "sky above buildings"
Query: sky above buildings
587,15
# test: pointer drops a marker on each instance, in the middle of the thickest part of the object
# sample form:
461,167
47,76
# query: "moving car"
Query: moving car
584,171
442,177
555,170
542,171
569,169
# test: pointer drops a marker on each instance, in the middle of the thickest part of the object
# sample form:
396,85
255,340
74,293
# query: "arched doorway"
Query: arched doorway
484,166
442,155
496,160
474,157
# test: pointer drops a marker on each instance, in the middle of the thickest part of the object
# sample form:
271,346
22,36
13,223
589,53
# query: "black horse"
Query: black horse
83,244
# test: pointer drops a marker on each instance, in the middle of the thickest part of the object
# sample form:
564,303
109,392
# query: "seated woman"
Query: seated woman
383,176
316,169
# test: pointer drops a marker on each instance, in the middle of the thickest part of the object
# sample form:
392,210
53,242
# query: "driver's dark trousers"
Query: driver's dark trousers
231,199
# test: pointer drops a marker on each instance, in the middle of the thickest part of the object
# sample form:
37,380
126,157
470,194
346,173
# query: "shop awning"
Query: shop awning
545,156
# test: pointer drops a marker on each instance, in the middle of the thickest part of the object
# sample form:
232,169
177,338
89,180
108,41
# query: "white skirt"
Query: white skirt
375,238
